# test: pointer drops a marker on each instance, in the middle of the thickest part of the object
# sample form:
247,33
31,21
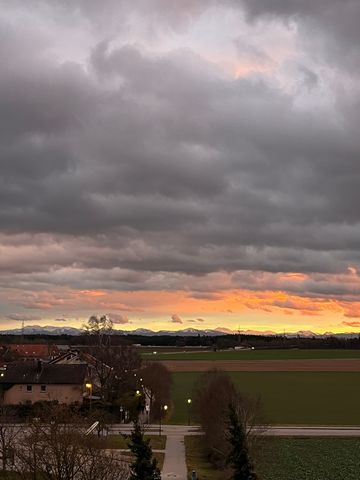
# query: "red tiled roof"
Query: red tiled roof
34,350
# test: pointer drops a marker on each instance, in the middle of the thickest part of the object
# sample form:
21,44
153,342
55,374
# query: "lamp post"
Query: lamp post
165,407
90,387
121,413
189,409
138,407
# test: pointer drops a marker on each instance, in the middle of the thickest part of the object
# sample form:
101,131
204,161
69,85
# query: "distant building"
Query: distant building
39,351
29,382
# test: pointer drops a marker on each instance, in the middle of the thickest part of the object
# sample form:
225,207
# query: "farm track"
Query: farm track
318,365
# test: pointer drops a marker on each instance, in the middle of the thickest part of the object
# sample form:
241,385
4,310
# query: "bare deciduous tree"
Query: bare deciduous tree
9,433
99,327
61,451
115,368
212,399
157,382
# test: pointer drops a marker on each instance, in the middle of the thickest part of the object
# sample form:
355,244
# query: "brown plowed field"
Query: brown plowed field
331,365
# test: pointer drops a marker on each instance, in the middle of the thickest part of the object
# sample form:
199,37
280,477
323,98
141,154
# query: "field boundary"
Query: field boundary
316,365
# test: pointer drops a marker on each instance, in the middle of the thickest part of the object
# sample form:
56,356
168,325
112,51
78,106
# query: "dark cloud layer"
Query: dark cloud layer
137,162
332,26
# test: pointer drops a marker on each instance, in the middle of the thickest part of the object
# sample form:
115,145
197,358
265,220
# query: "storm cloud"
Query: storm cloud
128,167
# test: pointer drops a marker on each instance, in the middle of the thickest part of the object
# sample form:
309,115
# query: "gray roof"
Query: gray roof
29,372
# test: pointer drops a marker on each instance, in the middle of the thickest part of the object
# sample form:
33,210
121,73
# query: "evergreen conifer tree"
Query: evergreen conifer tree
144,467
239,456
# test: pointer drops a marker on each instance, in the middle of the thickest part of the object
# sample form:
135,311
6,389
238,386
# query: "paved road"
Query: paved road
303,431
281,430
167,430
175,466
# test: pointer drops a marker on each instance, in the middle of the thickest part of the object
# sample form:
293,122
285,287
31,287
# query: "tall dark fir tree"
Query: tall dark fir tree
238,457
144,466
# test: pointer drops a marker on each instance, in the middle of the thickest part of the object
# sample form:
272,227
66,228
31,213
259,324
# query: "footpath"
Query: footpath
174,463
174,467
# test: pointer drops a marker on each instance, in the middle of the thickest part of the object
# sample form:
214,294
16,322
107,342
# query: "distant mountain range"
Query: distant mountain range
191,332
47,330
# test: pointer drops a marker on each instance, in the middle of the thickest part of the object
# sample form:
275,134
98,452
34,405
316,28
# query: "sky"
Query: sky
180,163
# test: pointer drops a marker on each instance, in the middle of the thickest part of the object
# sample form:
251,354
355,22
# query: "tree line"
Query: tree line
211,342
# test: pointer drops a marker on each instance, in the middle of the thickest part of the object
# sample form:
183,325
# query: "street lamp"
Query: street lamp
147,409
189,409
90,387
138,395
165,407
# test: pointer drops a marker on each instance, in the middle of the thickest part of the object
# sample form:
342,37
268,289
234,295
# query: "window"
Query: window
29,388
43,388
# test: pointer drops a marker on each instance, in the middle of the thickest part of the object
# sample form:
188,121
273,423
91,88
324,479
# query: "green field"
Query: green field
310,459
290,459
298,398
289,354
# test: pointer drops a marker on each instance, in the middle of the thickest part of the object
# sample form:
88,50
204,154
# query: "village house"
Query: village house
97,371
34,381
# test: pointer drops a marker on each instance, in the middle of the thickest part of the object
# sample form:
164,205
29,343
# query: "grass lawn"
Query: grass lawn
160,459
289,354
290,458
196,460
121,441
313,398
